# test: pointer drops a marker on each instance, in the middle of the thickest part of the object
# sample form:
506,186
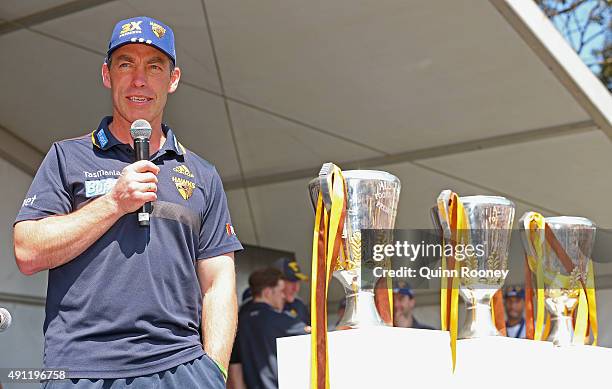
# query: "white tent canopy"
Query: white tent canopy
480,97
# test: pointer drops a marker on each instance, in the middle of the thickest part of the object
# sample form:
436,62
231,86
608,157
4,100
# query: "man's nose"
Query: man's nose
140,78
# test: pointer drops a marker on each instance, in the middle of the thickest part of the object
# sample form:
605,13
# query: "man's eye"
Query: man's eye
124,65
156,68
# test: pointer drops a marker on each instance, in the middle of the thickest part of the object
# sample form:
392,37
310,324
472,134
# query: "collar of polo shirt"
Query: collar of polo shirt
103,138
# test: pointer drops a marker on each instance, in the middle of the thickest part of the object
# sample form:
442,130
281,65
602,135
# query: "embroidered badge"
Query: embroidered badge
158,30
182,169
184,187
130,28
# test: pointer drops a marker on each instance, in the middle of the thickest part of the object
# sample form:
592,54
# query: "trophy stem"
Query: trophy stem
478,322
561,332
360,311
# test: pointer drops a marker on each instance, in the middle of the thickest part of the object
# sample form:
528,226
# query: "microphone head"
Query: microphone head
141,129
5,319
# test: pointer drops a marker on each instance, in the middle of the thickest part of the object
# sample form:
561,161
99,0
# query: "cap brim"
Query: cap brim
110,51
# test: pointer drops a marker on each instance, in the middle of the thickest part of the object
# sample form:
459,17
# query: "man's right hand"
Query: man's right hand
136,186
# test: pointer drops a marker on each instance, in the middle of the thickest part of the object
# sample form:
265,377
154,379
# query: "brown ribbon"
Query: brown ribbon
498,308
529,313
321,296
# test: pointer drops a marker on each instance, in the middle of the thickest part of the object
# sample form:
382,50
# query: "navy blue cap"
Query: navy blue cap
247,295
145,30
291,270
404,290
515,291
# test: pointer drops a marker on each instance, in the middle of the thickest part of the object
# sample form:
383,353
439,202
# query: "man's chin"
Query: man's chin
133,114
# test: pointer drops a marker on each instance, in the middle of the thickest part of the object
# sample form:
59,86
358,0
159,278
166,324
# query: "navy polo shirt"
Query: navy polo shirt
130,304
259,325
298,309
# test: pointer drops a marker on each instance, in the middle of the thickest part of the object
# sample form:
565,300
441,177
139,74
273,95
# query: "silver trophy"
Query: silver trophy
576,236
490,223
372,204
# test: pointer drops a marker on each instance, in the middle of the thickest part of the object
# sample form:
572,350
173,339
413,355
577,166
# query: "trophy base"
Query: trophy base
561,331
360,311
561,324
478,321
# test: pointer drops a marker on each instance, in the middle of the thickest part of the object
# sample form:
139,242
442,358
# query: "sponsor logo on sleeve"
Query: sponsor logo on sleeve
229,229
29,201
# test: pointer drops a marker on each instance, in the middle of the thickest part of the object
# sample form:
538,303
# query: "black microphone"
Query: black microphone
141,132
5,319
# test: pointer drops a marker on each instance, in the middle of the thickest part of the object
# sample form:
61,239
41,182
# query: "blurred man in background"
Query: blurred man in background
403,307
292,275
260,323
514,302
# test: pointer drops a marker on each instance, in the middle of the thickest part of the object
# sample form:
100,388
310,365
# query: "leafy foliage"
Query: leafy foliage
587,26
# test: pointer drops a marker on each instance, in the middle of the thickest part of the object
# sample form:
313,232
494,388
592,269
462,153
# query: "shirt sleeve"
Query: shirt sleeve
303,311
217,235
49,193
291,326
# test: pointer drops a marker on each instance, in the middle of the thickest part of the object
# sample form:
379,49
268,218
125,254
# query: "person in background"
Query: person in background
514,302
292,275
294,307
260,323
403,307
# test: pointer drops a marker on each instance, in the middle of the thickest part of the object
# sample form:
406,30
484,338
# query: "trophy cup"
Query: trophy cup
565,269
490,224
372,204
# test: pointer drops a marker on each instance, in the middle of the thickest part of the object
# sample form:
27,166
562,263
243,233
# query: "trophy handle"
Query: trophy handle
324,173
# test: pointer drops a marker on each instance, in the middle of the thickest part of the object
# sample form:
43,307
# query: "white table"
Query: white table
385,357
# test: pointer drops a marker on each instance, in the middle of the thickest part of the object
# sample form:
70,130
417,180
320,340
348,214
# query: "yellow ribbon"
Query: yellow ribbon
326,247
587,310
453,220
582,319
592,304
535,235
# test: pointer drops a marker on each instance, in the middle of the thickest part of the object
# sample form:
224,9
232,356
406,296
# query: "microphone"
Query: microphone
5,319
141,132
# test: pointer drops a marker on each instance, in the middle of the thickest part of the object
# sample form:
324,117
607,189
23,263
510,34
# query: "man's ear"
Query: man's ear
174,79
265,293
106,76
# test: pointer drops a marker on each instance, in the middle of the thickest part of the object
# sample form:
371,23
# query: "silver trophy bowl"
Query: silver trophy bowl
562,288
490,222
372,202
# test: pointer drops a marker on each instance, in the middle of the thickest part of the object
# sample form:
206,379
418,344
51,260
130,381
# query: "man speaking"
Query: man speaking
125,301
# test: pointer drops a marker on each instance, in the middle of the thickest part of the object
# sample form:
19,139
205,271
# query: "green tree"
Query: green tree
587,26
